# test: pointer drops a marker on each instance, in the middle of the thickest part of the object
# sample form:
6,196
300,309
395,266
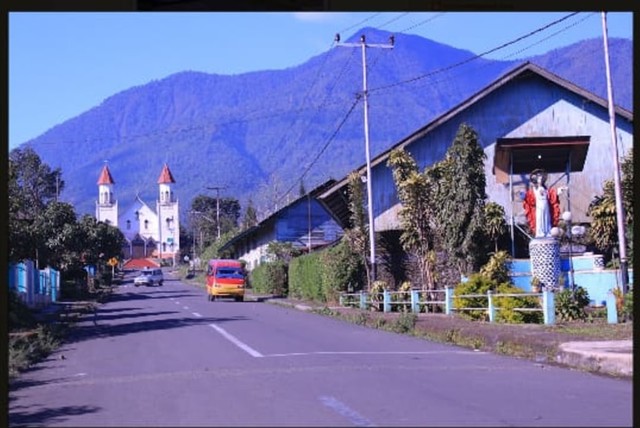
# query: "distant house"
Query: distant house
526,119
304,223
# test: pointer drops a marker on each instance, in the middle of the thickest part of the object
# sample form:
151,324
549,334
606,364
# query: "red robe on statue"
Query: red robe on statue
529,205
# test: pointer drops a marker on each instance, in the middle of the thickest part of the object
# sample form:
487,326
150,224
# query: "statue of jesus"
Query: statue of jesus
541,205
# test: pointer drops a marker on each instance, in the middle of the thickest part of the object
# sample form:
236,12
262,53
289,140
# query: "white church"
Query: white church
150,233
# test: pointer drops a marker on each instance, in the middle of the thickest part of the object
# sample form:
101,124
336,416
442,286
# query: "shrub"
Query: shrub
305,277
377,288
339,267
505,306
405,323
497,269
627,307
476,284
571,306
270,278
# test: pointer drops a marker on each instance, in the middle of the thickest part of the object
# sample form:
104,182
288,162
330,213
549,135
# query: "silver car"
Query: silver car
149,277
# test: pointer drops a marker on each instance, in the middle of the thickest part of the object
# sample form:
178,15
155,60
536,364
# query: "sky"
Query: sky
62,64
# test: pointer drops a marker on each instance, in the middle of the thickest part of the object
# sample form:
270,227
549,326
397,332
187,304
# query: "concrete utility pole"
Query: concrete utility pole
364,45
217,189
622,242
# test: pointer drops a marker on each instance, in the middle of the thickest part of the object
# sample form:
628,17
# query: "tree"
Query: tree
32,185
206,215
495,225
460,198
603,232
55,234
416,214
99,241
250,216
357,235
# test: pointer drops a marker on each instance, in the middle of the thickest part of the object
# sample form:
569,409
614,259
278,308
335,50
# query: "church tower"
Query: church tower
168,216
106,205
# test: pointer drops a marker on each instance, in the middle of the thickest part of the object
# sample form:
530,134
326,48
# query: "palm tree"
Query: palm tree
495,224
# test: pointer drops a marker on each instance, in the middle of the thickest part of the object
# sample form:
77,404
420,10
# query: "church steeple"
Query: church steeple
164,183
106,205
105,187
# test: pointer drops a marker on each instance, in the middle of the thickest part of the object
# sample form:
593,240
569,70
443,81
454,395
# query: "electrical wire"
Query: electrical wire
458,64
324,148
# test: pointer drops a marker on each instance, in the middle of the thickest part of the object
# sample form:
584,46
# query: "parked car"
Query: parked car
149,277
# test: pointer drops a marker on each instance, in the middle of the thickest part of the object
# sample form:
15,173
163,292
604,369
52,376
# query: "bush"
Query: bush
571,306
405,323
476,284
377,288
270,278
627,307
505,306
339,267
305,277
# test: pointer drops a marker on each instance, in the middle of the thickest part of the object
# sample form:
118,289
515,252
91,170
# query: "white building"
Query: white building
149,233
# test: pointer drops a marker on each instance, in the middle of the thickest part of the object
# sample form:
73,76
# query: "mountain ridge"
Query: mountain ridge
256,133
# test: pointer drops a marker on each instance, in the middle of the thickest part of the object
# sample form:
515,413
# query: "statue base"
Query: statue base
545,261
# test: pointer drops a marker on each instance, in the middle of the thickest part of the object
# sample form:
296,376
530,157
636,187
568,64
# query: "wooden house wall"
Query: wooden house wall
294,224
528,106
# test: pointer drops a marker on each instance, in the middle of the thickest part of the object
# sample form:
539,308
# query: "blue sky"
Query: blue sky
63,64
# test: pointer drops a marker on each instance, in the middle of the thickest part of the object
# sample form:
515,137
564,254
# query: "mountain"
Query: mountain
257,133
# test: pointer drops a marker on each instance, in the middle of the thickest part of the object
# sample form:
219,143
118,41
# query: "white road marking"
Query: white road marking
237,342
343,410
196,314
297,354
177,303
185,308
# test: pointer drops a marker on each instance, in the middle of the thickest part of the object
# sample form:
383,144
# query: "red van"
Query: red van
225,278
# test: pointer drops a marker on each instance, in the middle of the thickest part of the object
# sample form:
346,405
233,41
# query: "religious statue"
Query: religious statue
541,205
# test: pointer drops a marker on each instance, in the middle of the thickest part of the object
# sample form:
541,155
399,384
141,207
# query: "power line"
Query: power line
440,70
431,18
324,148
359,23
450,77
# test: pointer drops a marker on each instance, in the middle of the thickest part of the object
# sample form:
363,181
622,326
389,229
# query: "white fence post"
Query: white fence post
448,300
415,298
612,310
492,309
386,301
363,300
548,307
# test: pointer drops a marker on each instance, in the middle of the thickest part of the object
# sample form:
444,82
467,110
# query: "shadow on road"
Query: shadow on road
48,416
94,330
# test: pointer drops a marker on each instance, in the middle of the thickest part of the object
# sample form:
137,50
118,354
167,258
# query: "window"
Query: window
128,224
146,224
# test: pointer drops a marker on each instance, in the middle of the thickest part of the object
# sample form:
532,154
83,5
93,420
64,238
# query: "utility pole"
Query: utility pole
364,45
622,242
217,189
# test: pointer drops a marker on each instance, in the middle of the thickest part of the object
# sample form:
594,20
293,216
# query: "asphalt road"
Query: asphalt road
165,356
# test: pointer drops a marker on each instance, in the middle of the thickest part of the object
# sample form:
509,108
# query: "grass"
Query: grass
33,335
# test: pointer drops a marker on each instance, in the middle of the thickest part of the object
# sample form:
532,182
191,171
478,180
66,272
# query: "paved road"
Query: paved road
165,356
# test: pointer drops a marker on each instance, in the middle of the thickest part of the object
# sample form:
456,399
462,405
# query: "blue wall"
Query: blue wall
597,282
